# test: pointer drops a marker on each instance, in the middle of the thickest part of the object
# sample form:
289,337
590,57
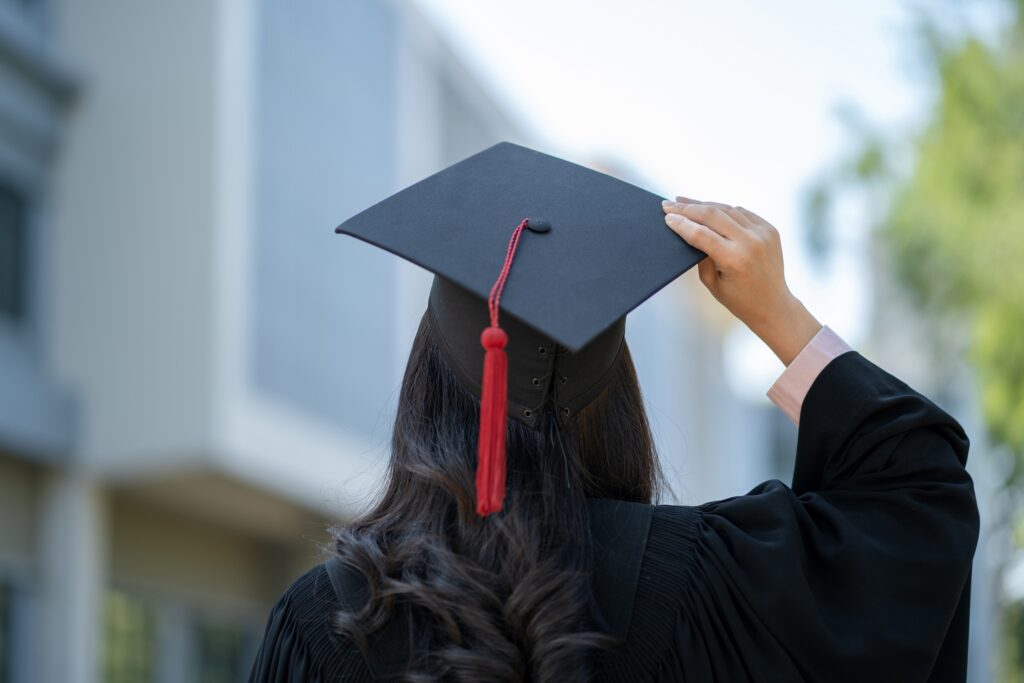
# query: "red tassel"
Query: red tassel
490,473
490,468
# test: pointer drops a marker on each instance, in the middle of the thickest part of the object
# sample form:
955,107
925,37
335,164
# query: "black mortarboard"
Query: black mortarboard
587,248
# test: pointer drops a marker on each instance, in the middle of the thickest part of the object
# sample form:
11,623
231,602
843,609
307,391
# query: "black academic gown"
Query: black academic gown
858,572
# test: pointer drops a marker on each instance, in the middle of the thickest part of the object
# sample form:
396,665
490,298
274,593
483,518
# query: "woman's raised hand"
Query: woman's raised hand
744,271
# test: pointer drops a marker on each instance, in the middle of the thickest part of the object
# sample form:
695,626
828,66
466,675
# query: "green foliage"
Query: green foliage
1012,630
956,225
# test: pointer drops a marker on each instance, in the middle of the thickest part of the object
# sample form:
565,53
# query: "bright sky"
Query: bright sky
732,101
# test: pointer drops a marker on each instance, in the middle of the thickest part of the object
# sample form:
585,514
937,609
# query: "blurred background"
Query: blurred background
197,375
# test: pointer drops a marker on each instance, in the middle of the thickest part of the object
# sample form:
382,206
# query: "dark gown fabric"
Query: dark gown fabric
858,572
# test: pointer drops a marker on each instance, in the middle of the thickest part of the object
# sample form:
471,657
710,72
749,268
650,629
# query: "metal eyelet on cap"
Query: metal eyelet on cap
565,411
564,379
536,381
527,412
541,350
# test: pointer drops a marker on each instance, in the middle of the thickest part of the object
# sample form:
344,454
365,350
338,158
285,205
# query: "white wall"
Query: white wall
132,314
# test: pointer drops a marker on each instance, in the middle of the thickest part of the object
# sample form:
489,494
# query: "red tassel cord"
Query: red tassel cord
490,470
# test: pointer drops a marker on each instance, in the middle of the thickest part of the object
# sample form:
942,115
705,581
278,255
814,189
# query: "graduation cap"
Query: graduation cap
561,253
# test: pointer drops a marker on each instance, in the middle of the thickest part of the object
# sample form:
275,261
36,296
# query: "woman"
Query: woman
858,572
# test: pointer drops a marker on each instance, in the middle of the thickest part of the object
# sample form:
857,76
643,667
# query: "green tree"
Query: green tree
953,224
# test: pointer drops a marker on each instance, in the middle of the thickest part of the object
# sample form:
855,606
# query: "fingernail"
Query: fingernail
665,203
673,218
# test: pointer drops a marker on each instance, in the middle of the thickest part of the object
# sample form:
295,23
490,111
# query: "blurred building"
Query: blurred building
195,373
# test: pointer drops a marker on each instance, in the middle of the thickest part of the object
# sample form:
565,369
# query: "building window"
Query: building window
5,633
13,253
129,639
223,649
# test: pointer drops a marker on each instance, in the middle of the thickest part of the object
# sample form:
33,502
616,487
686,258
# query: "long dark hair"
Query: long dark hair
502,598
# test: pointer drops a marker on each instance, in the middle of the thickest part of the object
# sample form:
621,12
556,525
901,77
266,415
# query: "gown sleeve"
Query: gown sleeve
858,572
298,643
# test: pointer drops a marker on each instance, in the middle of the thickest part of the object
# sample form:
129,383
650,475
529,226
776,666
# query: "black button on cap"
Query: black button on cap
538,225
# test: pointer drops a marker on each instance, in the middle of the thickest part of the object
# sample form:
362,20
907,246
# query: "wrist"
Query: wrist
789,330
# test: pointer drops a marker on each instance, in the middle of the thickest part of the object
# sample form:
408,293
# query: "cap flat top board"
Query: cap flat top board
607,251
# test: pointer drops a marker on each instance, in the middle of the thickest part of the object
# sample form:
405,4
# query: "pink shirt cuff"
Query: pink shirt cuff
791,387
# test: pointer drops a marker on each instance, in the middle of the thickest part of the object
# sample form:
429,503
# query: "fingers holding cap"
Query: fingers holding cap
737,213
698,235
715,216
